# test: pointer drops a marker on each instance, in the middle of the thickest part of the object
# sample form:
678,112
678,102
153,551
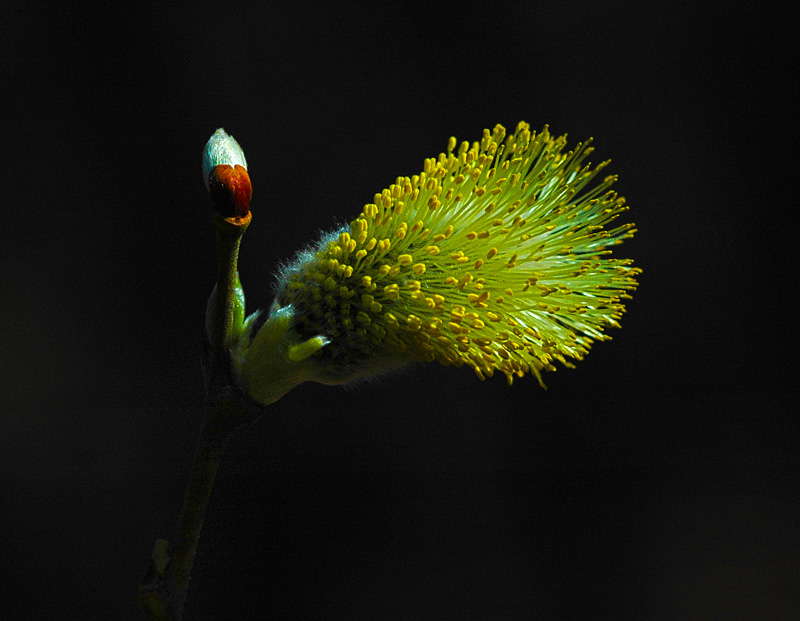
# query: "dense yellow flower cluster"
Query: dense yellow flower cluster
495,256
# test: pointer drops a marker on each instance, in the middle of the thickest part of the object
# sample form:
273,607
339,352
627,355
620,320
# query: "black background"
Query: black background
655,481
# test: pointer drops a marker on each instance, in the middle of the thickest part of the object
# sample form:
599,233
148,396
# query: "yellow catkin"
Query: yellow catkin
514,208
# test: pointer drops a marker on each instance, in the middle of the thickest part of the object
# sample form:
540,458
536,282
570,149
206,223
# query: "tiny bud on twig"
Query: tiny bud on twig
225,175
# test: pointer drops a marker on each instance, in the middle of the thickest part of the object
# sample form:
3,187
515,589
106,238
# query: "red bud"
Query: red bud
231,190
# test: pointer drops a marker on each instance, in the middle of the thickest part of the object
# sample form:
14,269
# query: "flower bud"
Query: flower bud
225,175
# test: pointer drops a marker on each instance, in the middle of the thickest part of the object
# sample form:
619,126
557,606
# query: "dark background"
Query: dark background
655,481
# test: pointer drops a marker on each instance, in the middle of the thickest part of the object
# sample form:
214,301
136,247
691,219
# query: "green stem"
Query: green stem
223,329
163,593
190,523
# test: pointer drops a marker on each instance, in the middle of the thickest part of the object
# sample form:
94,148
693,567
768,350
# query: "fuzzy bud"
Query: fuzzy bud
225,175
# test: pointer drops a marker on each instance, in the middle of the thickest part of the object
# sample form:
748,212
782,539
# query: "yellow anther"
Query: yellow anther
392,291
